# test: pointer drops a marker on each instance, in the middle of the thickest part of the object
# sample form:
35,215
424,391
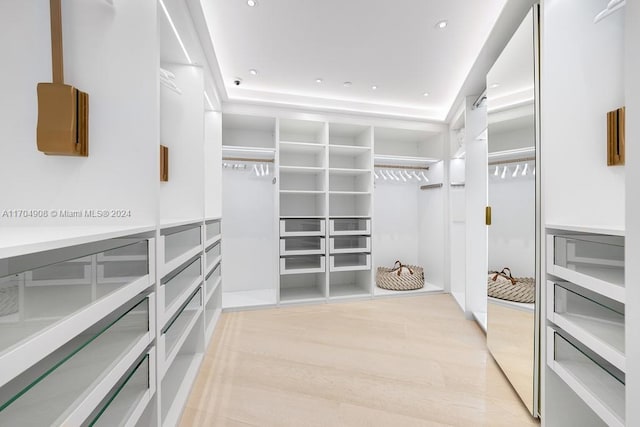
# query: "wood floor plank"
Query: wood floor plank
412,361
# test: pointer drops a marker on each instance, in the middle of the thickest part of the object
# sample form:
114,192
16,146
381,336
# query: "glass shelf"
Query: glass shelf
50,393
34,300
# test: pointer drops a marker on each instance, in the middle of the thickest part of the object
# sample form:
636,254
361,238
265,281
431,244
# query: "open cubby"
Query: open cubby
349,205
349,135
302,287
293,154
350,182
292,130
347,157
248,131
302,180
349,284
302,204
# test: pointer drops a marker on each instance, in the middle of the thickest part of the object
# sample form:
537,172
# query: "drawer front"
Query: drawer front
349,226
181,241
305,245
177,284
302,227
350,262
302,264
349,244
212,254
213,229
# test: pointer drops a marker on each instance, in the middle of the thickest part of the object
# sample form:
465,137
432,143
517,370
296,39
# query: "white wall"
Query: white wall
582,79
212,164
250,261
110,53
512,231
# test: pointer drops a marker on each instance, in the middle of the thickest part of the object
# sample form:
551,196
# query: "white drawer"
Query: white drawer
350,262
595,262
292,227
302,264
594,320
349,226
349,244
601,389
304,245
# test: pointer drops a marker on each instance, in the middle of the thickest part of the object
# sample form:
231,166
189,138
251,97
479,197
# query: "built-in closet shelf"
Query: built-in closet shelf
427,288
300,295
303,216
591,261
349,149
166,224
213,240
357,193
348,171
348,291
301,147
597,324
131,398
301,192
17,241
560,228
302,169
598,388
235,151
262,297
90,367
385,159
176,332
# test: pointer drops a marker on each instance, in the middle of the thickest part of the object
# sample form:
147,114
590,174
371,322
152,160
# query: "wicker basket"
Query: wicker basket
503,286
400,278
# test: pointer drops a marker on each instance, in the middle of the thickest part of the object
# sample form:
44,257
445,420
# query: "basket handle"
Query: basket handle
400,267
506,273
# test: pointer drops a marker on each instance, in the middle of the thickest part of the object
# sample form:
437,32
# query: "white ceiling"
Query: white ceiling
393,44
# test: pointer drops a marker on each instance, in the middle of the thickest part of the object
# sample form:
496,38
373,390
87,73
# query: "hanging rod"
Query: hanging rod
430,186
247,159
457,184
422,168
504,162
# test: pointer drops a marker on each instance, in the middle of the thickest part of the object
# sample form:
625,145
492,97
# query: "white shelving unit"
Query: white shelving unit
586,318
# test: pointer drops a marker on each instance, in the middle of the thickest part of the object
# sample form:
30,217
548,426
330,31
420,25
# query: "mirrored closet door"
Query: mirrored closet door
512,133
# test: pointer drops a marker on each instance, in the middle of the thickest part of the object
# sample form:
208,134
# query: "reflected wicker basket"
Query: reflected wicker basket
400,277
506,287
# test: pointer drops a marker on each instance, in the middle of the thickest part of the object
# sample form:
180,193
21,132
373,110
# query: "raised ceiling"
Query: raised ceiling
394,45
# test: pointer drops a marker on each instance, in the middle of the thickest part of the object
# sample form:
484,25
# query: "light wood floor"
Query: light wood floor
391,362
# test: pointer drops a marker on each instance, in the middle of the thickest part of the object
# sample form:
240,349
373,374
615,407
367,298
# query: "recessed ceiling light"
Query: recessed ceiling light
495,85
425,94
318,80
347,84
252,3
253,72
374,87
442,24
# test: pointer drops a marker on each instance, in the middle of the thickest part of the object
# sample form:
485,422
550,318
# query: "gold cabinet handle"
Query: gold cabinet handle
487,215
